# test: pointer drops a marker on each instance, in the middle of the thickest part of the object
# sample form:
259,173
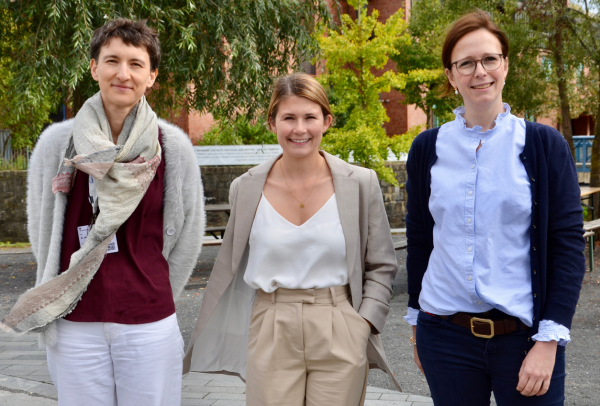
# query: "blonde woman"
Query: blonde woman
301,287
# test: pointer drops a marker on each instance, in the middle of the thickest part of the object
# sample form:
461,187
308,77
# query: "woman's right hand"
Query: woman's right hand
415,353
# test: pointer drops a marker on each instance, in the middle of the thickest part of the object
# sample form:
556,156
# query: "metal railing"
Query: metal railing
583,152
12,159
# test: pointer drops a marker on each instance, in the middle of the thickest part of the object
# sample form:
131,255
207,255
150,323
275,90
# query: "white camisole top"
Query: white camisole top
284,255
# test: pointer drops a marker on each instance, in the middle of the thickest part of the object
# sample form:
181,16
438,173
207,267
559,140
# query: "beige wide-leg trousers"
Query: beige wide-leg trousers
306,347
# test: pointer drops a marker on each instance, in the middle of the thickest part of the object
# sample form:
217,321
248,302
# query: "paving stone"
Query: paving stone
416,398
22,362
46,390
386,403
197,402
23,399
373,389
41,372
226,383
15,383
18,344
229,403
372,396
32,356
220,377
393,396
194,395
20,348
226,396
214,389
40,378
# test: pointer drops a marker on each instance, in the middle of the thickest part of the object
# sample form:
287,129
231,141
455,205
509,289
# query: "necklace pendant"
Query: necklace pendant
301,205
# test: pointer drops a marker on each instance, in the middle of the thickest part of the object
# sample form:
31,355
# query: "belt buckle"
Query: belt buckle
488,321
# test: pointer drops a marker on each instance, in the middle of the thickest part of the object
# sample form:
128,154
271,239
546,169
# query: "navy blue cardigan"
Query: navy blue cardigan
557,243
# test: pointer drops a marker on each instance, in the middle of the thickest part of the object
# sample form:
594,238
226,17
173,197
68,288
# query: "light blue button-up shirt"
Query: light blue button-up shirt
481,204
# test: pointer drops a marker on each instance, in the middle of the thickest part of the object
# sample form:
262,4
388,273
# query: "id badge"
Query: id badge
82,232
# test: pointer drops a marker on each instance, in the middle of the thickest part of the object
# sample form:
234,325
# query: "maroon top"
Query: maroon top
132,285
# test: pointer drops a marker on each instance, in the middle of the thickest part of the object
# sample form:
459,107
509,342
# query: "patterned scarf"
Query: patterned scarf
122,174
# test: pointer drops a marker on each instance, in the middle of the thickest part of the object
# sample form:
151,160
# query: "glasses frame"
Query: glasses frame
480,61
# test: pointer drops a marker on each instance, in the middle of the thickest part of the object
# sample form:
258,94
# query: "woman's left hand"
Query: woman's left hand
536,371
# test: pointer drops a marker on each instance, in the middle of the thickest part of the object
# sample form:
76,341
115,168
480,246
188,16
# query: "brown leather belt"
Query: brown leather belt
486,328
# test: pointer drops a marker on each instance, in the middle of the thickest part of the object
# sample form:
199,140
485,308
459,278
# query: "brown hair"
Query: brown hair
474,21
135,33
298,84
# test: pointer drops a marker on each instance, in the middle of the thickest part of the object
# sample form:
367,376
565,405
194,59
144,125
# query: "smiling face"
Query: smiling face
299,125
481,88
123,74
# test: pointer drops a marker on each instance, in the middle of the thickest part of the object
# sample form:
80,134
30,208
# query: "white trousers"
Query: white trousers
110,364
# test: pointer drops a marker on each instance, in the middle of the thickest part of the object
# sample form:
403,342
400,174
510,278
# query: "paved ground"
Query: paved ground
17,273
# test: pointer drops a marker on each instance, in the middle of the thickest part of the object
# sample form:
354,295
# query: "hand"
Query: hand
415,353
536,371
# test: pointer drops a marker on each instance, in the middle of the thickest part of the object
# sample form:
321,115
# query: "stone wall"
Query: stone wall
13,215
216,181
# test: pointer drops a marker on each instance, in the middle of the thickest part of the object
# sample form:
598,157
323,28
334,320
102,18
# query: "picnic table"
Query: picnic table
216,208
587,193
590,227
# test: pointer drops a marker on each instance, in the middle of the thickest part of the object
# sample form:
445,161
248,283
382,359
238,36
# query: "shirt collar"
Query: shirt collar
476,130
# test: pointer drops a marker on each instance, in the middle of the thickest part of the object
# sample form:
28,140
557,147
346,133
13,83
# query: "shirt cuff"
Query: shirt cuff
551,331
411,316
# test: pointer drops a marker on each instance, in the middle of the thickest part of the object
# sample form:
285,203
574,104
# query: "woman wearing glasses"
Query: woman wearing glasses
495,247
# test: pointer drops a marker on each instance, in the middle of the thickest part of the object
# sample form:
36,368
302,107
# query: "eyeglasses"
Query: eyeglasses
489,62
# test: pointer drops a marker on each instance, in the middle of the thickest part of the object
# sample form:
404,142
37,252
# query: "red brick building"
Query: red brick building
402,117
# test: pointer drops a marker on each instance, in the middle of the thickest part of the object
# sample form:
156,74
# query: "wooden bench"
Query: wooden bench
400,245
212,243
214,230
590,228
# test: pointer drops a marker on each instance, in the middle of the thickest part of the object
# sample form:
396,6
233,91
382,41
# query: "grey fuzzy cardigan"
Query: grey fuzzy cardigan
183,223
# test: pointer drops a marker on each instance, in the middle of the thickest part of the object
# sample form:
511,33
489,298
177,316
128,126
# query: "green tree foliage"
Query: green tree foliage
240,132
218,55
584,23
23,125
352,54
528,84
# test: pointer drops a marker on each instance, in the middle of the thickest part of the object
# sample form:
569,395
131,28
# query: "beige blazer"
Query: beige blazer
220,338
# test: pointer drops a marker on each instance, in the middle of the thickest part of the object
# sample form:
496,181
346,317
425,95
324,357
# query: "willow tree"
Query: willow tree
352,53
218,55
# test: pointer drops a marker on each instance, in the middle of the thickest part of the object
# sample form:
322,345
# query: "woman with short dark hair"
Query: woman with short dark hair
495,247
115,220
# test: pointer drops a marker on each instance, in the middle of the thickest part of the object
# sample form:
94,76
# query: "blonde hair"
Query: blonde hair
298,84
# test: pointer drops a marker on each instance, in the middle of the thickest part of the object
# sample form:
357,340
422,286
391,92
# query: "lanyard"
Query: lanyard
93,199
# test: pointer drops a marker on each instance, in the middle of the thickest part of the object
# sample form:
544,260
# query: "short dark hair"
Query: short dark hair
473,21
135,33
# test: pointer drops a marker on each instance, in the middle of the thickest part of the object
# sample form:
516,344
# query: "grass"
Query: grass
14,244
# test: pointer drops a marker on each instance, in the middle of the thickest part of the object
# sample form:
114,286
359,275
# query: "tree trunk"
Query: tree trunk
595,164
565,108
429,118
78,99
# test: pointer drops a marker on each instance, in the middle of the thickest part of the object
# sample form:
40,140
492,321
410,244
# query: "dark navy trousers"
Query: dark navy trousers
463,370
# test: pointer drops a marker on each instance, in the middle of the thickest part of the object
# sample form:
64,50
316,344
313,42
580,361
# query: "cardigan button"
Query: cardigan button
534,226
533,180
535,272
534,249
170,230
535,295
